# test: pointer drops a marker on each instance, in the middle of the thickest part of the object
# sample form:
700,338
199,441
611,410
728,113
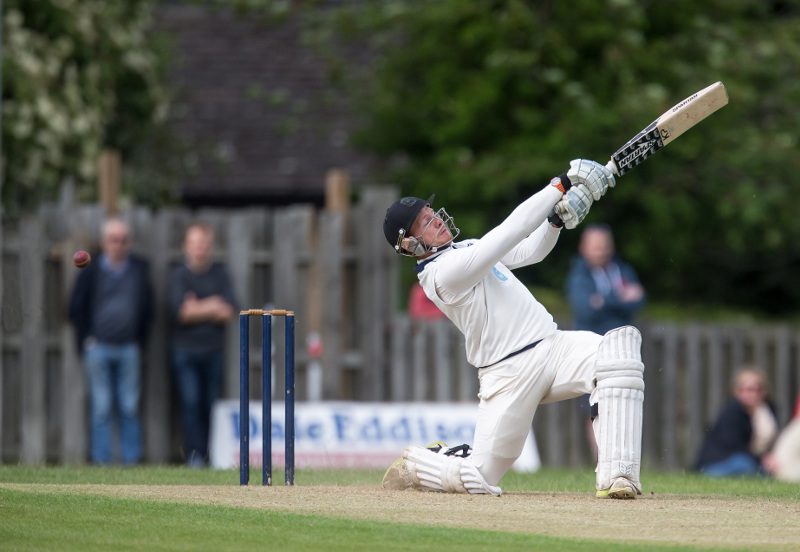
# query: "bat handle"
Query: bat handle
612,166
554,219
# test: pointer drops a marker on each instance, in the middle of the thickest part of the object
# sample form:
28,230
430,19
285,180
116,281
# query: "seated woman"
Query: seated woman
744,431
783,462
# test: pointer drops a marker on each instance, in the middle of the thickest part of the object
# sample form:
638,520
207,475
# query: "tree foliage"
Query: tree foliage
78,75
483,101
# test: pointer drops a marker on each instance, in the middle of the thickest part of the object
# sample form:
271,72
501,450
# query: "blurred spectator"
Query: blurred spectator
201,303
783,461
603,293
420,308
744,431
111,309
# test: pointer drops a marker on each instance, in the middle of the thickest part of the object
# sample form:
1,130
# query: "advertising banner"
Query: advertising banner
350,434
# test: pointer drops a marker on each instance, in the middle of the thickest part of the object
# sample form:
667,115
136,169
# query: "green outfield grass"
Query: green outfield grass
45,520
72,522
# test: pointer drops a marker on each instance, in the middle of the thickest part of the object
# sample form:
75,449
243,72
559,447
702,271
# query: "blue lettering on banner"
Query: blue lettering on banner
371,431
423,431
401,431
255,426
314,432
375,429
340,420
327,434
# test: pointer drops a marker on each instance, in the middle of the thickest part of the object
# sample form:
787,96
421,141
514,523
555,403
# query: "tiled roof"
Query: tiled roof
255,106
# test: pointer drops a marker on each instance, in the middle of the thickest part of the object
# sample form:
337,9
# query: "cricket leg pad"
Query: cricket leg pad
422,469
619,397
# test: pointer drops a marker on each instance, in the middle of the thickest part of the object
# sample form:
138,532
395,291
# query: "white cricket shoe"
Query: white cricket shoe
398,477
620,488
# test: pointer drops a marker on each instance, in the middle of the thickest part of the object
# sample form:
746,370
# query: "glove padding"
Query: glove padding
597,178
574,206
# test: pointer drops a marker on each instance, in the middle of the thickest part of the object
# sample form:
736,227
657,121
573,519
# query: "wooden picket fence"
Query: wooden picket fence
335,270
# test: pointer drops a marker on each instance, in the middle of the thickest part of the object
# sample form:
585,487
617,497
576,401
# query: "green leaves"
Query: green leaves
484,101
77,76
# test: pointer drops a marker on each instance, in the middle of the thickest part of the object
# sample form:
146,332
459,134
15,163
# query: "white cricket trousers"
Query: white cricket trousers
561,367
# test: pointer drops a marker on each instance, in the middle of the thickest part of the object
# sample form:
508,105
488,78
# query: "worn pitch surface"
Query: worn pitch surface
768,524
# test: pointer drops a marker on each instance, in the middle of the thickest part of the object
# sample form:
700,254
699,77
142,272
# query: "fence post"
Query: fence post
240,266
556,414
31,272
717,387
442,365
2,322
2,298
73,392
332,315
376,290
467,373
694,390
152,235
325,283
290,231
109,169
783,385
669,393
400,369
419,358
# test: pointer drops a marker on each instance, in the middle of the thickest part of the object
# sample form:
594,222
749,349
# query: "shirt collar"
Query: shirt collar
423,263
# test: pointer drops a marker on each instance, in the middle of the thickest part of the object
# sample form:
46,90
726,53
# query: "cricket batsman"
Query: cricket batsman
522,358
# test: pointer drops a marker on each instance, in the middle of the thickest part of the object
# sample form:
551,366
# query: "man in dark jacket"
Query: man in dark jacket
603,291
111,309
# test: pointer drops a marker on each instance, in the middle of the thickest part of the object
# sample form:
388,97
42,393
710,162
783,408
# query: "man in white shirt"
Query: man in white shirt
522,358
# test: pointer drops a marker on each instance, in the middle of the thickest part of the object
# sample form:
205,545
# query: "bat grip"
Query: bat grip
554,219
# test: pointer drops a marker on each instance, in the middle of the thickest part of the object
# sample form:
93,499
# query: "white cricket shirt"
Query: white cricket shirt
472,283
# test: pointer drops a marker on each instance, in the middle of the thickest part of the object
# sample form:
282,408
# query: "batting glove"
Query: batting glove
574,206
597,178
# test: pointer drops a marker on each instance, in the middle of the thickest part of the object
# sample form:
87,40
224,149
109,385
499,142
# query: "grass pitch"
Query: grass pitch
171,508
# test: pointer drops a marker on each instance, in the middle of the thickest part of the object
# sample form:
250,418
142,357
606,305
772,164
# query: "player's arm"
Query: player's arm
466,266
534,248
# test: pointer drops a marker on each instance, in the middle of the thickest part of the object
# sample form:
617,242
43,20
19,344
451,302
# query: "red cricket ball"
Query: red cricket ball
81,259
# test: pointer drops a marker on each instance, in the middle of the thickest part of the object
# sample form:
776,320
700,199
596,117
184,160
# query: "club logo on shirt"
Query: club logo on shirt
499,275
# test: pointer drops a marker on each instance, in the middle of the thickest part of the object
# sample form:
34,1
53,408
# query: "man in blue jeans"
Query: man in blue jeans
201,303
111,309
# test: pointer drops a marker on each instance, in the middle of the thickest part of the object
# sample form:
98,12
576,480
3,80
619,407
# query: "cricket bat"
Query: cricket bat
674,122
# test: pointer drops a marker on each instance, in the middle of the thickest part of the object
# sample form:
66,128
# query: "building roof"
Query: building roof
255,108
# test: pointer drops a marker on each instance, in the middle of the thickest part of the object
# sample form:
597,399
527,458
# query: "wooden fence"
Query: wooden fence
315,263
335,270
688,370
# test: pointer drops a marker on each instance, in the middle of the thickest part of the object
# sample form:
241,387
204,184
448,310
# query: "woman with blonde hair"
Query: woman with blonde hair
745,429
